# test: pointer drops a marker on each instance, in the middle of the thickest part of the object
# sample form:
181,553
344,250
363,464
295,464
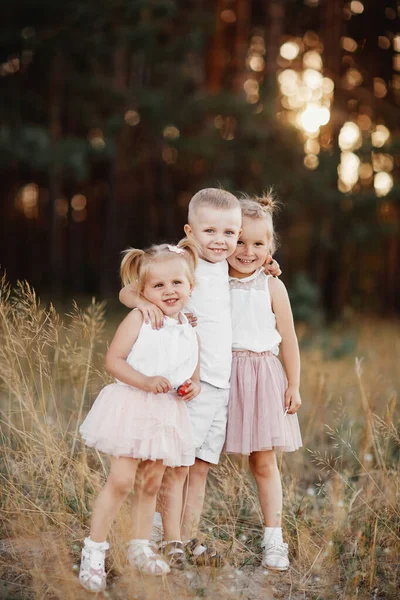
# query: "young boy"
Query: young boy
214,222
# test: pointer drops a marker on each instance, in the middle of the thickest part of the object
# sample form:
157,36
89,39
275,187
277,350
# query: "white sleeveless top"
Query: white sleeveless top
170,352
253,322
210,302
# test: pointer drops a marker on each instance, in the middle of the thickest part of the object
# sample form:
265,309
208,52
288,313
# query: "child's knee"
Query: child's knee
176,475
199,471
151,486
122,483
149,483
263,467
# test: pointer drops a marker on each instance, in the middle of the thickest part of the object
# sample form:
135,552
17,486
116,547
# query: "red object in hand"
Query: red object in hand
183,389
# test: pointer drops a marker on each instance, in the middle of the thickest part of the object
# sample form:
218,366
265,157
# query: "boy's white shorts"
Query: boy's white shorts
209,414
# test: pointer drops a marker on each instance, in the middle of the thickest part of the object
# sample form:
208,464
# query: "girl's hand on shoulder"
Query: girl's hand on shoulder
157,385
292,400
191,318
151,313
271,267
192,389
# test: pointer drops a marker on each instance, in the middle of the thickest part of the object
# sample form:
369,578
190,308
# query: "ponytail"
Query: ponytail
192,252
130,265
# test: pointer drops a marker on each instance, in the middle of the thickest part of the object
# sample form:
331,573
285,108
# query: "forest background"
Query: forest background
113,114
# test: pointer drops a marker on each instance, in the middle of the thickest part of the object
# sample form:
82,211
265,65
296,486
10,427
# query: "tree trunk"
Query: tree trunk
55,129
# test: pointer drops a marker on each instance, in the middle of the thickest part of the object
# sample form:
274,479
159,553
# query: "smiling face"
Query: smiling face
252,250
167,286
216,231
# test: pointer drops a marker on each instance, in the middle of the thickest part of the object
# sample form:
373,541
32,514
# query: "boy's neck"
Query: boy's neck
212,263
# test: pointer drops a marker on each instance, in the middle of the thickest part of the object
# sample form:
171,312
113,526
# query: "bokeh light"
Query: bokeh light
383,183
228,16
382,162
257,63
289,50
132,118
311,162
78,202
171,132
312,147
356,7
312,60
349,136
29,200
380,136
348,44
365,171
312,78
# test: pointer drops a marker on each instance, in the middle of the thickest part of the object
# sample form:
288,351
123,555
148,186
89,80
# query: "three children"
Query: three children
262,406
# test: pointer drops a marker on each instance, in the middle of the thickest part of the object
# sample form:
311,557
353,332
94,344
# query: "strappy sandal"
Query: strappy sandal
174,552
143,558
201,555
92,574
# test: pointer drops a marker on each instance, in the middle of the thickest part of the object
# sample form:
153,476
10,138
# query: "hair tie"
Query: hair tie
175,249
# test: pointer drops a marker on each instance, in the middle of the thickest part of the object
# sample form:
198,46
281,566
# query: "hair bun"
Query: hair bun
268,201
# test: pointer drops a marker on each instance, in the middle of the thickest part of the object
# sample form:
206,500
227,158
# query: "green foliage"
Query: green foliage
305,299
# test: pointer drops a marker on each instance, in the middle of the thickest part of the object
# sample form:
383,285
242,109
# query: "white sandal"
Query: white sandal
92,574
143,558
275,556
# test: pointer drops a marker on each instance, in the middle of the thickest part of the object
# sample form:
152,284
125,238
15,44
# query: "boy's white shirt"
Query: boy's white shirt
210,302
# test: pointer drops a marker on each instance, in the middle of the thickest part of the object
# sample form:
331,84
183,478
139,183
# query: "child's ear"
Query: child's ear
187,229
268,259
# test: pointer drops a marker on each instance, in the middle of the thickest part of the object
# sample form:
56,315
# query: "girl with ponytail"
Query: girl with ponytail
263,399
141,421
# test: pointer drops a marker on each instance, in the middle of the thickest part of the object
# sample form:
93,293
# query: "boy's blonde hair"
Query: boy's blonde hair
214,198
262,207
135,263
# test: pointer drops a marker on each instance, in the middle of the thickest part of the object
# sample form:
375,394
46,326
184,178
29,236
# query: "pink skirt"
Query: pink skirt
256,412
126,421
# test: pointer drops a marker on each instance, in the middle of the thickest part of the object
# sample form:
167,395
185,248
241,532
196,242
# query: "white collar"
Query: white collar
250,277
182,320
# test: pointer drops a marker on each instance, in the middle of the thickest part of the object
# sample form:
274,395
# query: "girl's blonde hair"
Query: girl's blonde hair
262,207
135,263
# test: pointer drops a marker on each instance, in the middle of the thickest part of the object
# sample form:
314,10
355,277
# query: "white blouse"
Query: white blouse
253,322
170,352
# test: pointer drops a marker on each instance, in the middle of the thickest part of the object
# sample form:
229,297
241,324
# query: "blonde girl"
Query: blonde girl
263,399
141,421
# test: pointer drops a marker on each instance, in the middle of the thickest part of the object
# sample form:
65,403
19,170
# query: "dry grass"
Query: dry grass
342,490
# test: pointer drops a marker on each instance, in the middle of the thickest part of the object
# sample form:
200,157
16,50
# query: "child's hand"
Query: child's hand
292,400
151,313
191,318
157,385
271,267
191,389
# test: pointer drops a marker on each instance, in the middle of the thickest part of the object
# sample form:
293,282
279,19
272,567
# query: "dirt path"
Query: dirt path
27,570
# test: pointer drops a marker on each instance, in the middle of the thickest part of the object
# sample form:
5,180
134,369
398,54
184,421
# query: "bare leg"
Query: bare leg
117,487
265,470
171,501
147,485
195,498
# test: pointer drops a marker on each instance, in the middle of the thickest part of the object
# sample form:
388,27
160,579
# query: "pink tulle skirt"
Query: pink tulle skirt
126,421
256,412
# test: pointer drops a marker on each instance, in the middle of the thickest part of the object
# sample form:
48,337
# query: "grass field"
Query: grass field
341,491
